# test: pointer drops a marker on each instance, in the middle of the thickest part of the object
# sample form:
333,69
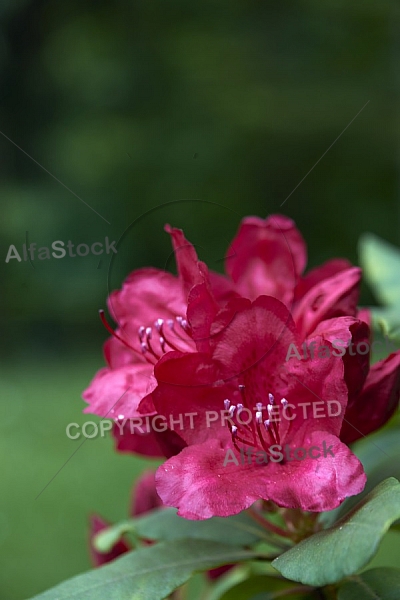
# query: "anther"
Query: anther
227,404
148,332
271,398
259,417
284,402
232,410
158,324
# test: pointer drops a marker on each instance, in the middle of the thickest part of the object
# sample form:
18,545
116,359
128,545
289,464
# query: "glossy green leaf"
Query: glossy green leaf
387,321
381,265
342,550
379,454
376,584
164,524
150,573
261,587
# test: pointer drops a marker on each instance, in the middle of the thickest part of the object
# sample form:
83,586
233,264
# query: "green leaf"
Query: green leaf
387,320
261,587
376,584
379,454
164,524
381,265
151,573
342,550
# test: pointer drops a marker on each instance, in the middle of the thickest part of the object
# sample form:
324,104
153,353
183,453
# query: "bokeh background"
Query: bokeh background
151,112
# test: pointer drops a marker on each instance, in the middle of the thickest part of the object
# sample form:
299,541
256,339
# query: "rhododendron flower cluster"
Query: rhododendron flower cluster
200,342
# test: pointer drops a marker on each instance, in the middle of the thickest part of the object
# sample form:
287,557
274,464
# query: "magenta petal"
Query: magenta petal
222,287
197,483
260,333
200,486
321,484
189,395
119,391
201,312
146,295
191,270
319,274
333,297
266,257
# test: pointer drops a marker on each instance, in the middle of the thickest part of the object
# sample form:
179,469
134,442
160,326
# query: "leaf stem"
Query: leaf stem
254,514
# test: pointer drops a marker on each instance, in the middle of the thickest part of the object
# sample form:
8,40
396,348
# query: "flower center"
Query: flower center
259,430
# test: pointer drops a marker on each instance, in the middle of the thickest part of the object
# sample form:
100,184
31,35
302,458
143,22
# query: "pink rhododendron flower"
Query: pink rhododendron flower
247,370
160,315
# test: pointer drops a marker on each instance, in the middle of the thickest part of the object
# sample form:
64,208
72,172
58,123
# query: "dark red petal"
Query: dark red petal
377,401
351,340
145,497
129,439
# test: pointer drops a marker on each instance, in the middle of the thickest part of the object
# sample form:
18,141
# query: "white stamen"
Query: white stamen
148,332
284,402
259,406
232,410
271,398
234,430
162,344
259,417
227,404
158,324
266,424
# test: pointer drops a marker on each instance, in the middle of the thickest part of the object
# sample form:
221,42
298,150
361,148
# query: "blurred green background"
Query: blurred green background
194,114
